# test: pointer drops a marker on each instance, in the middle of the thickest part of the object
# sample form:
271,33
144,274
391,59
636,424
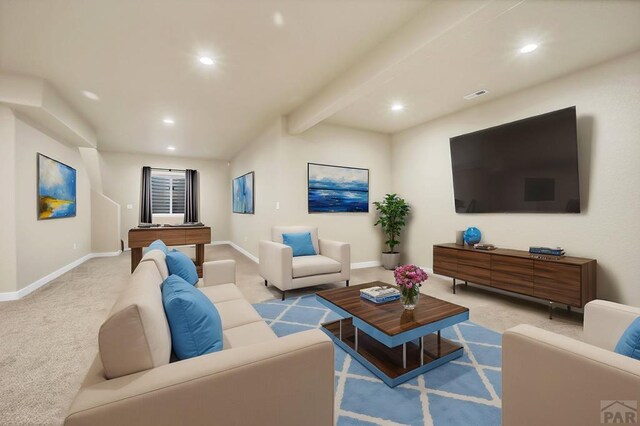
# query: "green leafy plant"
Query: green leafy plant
392,212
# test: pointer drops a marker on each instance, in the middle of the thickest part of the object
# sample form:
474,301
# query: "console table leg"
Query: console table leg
438,343
404,355
454,286
356,328
340,329
550,310
421,350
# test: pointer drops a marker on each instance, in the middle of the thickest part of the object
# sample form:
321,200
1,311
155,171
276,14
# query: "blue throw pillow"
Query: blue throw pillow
300,243
629,343
181,265
158,245
194,321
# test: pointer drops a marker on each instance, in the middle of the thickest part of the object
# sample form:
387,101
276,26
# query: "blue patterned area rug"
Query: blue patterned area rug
466,391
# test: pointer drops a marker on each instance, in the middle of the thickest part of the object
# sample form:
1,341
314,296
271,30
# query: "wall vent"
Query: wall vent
476,94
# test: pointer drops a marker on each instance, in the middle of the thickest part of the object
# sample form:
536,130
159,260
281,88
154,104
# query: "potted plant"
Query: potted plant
392,212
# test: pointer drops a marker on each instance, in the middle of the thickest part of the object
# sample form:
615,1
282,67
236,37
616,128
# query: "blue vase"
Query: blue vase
472,235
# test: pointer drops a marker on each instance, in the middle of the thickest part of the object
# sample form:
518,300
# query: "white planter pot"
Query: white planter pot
390,260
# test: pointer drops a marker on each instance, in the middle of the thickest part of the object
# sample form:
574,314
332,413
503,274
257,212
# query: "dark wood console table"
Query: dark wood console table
172,236
567,280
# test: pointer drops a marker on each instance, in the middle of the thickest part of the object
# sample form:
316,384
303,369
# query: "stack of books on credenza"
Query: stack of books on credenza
547,251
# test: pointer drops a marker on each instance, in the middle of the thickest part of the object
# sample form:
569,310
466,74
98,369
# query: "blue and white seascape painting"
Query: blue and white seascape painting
56,189
243,194
335,189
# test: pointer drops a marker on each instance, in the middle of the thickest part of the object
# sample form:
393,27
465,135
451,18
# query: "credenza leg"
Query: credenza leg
266,283
568,308
454,286
466,284
550,309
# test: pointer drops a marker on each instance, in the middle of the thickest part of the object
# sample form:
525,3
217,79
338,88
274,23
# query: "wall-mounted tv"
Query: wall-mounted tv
527,166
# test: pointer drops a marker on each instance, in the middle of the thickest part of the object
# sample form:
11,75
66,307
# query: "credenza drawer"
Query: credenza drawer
474,274
512,265
516,282
445,268
445,254
474,258
557,282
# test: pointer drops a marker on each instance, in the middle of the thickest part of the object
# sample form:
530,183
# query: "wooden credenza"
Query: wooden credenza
172,236
567,280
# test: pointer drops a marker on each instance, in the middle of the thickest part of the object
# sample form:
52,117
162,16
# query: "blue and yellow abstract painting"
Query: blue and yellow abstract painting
336,189
243,194
56,189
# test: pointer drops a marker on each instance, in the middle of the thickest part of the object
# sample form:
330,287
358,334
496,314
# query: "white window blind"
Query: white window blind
167,192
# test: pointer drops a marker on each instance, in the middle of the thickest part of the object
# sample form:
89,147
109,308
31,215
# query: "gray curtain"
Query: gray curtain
145,196
191,196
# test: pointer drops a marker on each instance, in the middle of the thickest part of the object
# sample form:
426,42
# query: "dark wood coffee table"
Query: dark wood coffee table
394,344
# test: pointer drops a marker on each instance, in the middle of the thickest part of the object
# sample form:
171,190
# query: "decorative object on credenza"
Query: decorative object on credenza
487,247
472,235
337,189
460,238
56,189
380,294
392,212
243,194
552,251
409,278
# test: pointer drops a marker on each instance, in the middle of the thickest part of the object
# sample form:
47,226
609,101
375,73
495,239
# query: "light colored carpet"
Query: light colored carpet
49,338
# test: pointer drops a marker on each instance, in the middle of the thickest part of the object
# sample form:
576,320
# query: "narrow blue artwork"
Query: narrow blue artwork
56,189
243,194
335,189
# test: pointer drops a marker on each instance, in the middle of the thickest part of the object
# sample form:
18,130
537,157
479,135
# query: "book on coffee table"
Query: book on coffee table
380,294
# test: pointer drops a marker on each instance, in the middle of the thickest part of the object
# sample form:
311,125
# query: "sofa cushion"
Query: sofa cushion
158,257
158,245
277,231
300,243
629,343
181,265
305,266
235,313
196,328
248,334
136,337
222,292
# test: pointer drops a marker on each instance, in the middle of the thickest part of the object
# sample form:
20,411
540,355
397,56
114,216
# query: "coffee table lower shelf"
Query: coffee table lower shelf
386,362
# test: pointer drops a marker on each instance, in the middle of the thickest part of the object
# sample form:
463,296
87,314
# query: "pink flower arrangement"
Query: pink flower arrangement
409,276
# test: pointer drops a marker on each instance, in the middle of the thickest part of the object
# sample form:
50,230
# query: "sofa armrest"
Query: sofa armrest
604,322
551,379
276,263
285,382
336,250
218,272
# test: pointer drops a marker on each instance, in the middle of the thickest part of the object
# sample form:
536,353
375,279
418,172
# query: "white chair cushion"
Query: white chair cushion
235,313
277,231
222,292
248,334
304,266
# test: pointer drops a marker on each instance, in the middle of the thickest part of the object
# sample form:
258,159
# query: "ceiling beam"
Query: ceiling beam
381,64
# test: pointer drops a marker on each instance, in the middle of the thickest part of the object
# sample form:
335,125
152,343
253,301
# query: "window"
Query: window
167,192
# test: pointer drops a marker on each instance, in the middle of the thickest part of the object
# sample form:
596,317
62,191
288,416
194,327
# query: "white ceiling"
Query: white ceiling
485,55
141,58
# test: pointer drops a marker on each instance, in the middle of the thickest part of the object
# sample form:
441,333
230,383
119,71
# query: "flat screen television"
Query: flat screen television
527,166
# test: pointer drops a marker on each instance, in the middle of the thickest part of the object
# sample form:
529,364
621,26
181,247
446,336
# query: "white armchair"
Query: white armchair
280,268
555,380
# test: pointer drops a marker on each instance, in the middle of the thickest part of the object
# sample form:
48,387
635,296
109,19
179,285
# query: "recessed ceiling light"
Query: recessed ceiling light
171,148
397,107
91,95
168,120
206,60
278,19
528,48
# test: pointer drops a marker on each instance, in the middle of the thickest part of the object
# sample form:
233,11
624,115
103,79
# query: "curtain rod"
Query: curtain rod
168,170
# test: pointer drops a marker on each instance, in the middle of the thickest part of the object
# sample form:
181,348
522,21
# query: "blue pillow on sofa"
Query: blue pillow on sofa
300,243
629,343
157,245
194,321
181,265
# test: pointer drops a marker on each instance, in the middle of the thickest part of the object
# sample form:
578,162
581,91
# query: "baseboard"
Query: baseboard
240,249
369,264
15,295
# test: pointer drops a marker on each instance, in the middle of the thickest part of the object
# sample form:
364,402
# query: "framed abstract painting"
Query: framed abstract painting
56,189
243,196
337,189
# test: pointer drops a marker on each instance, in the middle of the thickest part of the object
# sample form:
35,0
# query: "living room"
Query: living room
272,144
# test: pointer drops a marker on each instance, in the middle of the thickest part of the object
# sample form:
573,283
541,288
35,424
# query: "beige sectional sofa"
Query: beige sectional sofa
257,378
550,379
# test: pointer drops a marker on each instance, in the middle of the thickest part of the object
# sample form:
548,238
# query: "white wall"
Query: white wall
121,174
8,256
43,246
280,165
607,98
